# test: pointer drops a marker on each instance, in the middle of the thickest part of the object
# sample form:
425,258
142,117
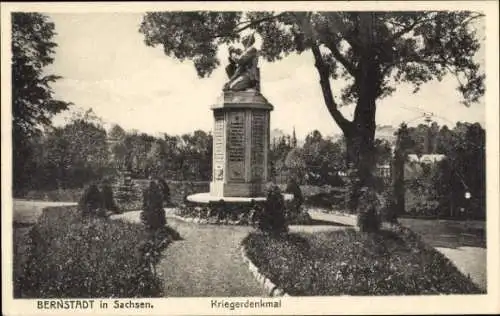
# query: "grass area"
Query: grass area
69,256
62,195
448,233
348,262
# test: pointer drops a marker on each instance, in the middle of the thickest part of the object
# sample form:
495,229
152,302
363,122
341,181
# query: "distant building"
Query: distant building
384,171
415,166
432,158
426,159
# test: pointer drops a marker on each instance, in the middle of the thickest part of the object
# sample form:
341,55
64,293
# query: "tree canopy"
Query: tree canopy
33,102
386,48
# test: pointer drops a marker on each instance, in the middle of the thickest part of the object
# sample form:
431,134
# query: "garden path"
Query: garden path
463,242
26,212
207,262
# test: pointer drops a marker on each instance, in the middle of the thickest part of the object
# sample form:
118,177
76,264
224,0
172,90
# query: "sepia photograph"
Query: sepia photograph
249,157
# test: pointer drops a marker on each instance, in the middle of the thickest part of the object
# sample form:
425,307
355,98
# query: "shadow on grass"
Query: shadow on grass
22,225
173,233
318,222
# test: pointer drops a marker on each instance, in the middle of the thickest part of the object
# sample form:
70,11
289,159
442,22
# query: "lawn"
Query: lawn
69,256
349,262
449,233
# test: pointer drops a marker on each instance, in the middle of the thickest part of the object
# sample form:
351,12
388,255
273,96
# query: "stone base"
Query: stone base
206,197
208,209
222,189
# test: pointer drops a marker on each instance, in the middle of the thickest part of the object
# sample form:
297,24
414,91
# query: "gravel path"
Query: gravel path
207,262
463,242
470,261
26,212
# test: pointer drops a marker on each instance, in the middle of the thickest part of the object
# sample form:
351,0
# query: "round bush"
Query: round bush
108,200
165,191
153,214
368,210
272,218
90,201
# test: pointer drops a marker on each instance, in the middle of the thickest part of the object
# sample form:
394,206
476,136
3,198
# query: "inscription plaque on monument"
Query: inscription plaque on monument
259,128
236,145
218,147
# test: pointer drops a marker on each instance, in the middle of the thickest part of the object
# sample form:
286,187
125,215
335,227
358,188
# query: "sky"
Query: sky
106,66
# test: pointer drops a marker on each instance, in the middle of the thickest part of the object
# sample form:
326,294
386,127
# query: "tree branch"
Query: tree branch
470,19
407,29
250,24
349,66
324,75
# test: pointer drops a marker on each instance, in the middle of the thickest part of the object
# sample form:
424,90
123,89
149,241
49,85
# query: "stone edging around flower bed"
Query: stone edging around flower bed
272,289
196,220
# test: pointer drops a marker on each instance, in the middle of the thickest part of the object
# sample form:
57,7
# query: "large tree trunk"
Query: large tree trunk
360,132
360,147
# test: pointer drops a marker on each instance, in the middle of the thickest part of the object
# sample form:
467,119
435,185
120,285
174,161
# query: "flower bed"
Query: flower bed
348,262
70,256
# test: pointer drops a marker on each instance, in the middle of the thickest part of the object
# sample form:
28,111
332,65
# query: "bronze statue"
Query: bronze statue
242,70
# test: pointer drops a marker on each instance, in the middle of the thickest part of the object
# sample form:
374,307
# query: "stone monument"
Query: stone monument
241,133
240,144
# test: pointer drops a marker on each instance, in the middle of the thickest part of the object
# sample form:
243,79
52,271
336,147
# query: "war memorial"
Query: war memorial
241,137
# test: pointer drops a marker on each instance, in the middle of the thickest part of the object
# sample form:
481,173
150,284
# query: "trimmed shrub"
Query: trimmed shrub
389,212
272,218
153,214
293,188
91,201
295,213
108,201
368,210
165,191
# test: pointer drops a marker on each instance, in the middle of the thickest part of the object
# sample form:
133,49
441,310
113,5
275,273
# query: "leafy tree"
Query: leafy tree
56,159
70,156
197,155
404,143
383,151
33,102
467,158
294,139
421,142
372,51
296,164
278,154
156,158
443,140
324,158
138,147
118,148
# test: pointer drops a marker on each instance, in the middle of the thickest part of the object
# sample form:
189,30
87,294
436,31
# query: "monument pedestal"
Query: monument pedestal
240,144
240,160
